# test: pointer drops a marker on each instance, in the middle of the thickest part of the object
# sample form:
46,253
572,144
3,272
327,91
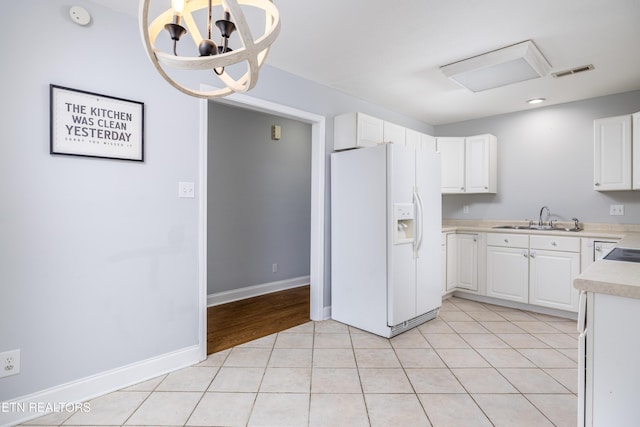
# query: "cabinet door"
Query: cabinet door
467,261
612,153
508,273
419,140
636,150
452,153
444,263
394,133
428,142
477,164
353,130
551,277
370,131
452,262
612,365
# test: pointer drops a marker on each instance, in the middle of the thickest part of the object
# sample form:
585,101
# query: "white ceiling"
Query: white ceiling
389,52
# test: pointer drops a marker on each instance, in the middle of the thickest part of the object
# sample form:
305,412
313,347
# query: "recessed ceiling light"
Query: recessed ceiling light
536,100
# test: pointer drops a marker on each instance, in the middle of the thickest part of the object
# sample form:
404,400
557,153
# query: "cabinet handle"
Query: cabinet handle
554,244
486,188
475,239
524,254
597,184
532,255
598,248
506,240
461,188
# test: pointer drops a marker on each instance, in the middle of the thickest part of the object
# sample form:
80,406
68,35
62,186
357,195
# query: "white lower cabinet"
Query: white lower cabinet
462,261
537,270
508,267
554,263
444,263
608,357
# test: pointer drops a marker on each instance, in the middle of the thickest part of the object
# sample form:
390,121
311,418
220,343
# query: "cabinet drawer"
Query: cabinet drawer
556,243
508,240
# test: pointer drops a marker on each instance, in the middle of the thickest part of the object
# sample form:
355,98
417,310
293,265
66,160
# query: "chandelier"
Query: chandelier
216,57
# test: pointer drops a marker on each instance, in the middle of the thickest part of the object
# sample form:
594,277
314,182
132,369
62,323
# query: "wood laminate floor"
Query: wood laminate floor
242,321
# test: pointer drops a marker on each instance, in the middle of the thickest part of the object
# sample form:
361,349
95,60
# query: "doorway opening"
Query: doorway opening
317,286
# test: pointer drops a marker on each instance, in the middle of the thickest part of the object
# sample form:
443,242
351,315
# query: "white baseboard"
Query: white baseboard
520,306
254,291
29,407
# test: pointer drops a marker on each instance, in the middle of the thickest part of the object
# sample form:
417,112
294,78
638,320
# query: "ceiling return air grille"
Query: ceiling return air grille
573,71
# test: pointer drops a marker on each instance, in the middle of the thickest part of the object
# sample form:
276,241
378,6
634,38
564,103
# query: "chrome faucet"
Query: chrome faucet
541,222
576,223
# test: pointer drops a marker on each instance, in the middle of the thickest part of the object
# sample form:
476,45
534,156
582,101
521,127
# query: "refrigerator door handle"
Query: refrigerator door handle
420,209
582,312
582,353
582,378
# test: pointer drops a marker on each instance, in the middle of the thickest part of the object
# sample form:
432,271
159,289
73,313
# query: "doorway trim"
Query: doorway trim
318,165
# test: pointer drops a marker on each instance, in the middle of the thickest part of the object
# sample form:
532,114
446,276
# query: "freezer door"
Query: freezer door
401,289
359,238
429,255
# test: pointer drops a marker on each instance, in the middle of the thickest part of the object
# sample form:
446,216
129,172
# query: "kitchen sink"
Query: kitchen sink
536,227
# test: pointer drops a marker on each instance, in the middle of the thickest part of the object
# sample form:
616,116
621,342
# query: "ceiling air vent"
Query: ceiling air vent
573,71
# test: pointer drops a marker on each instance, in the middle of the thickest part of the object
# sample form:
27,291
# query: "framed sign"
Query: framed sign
93,125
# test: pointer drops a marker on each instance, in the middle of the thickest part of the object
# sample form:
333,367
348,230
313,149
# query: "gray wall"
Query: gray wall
99,258
545,157
259,198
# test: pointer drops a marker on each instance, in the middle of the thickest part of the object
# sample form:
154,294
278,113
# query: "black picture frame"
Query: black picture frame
88,124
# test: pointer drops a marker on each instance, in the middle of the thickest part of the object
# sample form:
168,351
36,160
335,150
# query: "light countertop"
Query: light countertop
618,278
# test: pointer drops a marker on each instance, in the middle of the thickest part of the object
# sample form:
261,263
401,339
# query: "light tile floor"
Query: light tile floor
476,365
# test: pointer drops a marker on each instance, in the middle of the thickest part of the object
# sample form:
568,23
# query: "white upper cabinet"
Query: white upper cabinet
413,138
635,119
452,155
469,165
480,169
393,133
353,130
612,153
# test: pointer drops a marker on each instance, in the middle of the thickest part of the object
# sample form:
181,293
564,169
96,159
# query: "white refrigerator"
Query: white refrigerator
386,225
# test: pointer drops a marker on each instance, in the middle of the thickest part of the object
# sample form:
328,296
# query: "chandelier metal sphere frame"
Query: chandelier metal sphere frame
253,52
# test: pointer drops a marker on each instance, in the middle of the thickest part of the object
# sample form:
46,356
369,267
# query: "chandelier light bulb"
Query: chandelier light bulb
178,6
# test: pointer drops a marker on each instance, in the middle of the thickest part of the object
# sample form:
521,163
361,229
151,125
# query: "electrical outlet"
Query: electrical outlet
9,363
616,209
274,267
465,209
186,190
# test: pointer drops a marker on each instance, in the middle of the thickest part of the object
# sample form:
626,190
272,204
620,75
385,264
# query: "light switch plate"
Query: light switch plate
186,190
